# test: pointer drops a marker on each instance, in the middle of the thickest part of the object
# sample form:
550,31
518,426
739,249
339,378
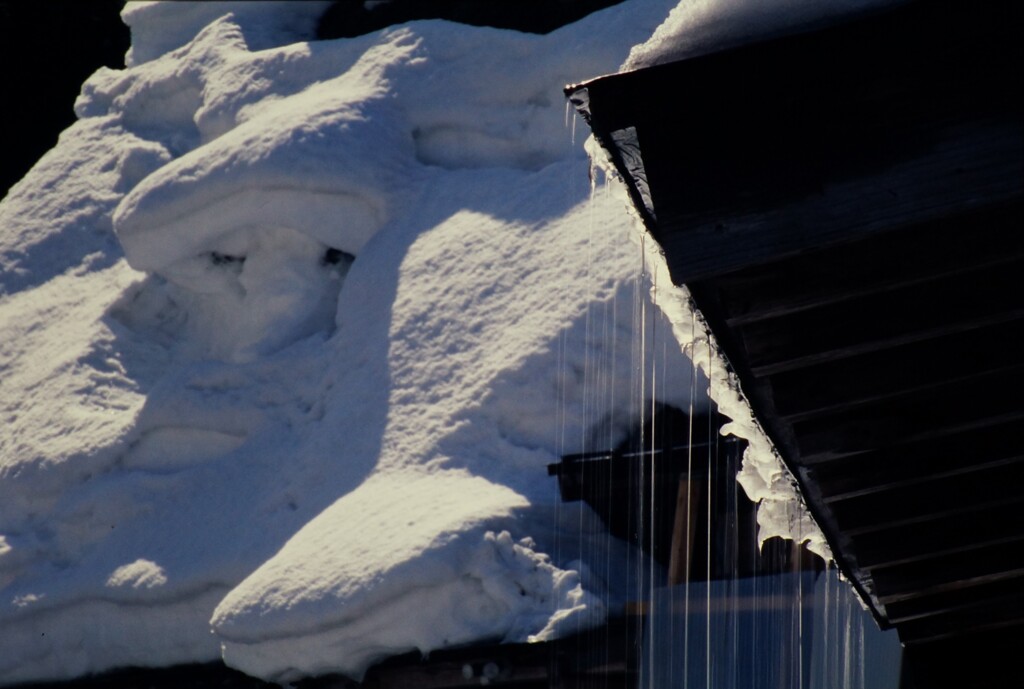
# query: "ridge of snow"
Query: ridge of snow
290,330
764,477
160,27
698,27
426,307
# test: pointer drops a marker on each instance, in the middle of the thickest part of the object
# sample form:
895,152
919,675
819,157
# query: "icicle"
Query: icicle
709,500
763,476
777,598
689,517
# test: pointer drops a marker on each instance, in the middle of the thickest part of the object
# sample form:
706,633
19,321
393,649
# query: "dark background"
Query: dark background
48,48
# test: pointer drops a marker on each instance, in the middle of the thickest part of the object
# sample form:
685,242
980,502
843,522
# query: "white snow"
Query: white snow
781,511
698,27
693,28
139,573
289,331
159,27
212,413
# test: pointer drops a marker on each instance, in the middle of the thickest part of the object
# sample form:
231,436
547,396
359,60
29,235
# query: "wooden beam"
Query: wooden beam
939,537
976,166
878,263
730,604
934,482
868,527
926,475
952,572
916,313
983,615
942,453
993,576
927,366
968,405
930,500
959,599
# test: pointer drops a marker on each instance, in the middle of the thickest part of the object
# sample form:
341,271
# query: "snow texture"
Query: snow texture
289,331
781,511
698,27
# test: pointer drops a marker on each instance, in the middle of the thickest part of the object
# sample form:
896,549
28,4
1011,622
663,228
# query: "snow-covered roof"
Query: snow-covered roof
215,415
209,414
698,27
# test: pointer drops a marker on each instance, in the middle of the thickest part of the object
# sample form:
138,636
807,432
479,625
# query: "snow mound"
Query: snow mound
442,579
698,27
160,27
694,28
291,330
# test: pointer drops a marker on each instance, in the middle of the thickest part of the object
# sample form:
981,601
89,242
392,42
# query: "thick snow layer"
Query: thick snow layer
159,27
781,511
697,27
289,332
452,537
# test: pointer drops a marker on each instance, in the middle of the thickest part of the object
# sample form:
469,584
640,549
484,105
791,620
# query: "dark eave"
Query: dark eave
897,118
847,209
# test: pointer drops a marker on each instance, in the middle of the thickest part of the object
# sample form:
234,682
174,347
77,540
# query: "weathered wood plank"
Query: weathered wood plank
991,614
918,580
948,535
947,305
974,403
939,603
878,263
813,103
788,145
974,167
931,365
928,501
947,454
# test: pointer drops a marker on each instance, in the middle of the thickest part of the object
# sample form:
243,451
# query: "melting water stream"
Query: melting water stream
709,605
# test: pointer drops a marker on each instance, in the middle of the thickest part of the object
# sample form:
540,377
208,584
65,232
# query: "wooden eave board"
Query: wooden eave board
847,208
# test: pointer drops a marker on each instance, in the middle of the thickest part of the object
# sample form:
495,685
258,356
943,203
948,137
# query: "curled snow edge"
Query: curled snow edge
781,510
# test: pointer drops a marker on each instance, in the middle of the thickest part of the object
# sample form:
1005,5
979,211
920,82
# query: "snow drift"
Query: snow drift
291,330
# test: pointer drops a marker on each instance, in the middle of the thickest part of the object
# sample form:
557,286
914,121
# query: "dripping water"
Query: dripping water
822,632
707,587
689,502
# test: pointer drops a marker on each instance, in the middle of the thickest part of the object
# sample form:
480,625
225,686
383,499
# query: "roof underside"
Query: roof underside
846,207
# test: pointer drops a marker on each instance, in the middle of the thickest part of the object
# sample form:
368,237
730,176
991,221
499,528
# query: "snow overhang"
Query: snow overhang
844,206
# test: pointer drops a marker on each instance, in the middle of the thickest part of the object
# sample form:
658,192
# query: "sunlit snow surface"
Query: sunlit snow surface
210,415
697,27
693,28
214,416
